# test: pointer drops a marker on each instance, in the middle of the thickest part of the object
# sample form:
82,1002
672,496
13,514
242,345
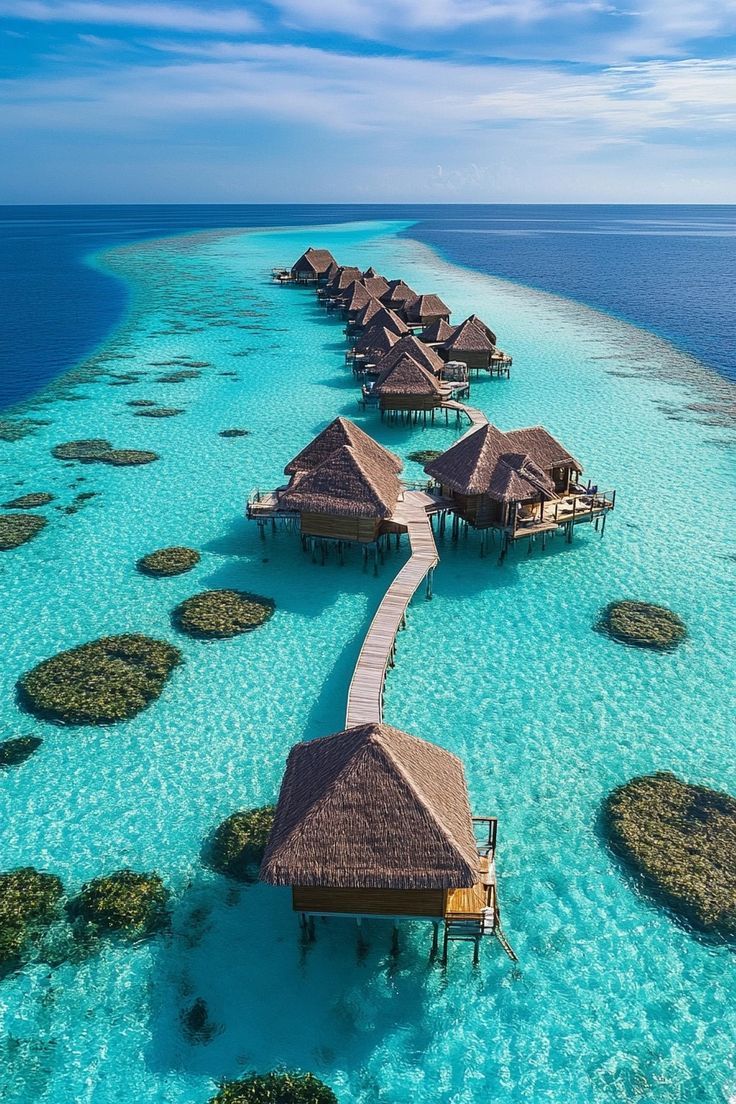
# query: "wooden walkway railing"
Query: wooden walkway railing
365,695
477,417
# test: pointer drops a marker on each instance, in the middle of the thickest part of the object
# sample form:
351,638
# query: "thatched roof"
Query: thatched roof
317,261
376,285
350,482
332,271
375,313
468,338
344,276
355,296
338,433
437,332
544,449
370,272
376,341
423,355
372,808
398,293
486,329
488,462
406,377
425,306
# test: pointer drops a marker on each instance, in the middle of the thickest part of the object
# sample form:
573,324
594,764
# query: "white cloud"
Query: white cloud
174,17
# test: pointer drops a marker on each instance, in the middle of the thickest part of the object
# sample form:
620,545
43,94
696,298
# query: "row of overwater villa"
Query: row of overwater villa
372,822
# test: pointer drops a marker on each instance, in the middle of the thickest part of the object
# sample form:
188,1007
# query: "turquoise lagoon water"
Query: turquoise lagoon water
611,1000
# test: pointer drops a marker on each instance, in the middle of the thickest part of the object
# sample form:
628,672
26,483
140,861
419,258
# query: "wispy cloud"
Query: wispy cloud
176,17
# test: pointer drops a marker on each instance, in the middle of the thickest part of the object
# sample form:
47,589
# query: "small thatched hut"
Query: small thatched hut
374,313
470,344
425,309
549,455
373,343
313,266
372,822
405,385
419,352
490,479
343,485
342,278
397,296
376,285
437,332
354,299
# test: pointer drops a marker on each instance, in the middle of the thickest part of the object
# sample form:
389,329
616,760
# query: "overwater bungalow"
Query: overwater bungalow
424,309
397,296
522,484
342,278
376,285
436,333
313,266
405,389
372,823
374,313
353,299
408,344
370,346
343,487
471,343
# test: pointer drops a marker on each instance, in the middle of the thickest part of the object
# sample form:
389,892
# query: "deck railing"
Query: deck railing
486,846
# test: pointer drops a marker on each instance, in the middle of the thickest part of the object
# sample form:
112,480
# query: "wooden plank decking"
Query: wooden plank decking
365,695
477,417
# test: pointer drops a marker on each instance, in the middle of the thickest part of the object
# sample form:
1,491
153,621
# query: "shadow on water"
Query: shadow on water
272,1000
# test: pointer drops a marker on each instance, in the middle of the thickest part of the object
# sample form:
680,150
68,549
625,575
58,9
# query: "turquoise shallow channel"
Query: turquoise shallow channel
611,1000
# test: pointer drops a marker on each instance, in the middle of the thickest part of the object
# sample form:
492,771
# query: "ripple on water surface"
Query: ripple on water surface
611,1000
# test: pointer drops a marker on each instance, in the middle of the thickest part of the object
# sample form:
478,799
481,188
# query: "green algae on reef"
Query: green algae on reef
28,900
17,749
222,613
18,529
97,450
642,625
682,838
125,901
89,450
29,501
169,561
275,1088
239,843
424,456
103,681
129,458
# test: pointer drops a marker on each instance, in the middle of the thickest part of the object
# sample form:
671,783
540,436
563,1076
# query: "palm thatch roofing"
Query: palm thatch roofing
372,808
375,313
398,294
423,355
376,341
486,329
350,482
344,276
544,449
355,296
488,462
424,307
437,332
332,271
317,261
406,377
370,272
469,337
377,285
341,432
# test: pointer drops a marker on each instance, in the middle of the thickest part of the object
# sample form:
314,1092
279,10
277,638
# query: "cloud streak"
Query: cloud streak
155,16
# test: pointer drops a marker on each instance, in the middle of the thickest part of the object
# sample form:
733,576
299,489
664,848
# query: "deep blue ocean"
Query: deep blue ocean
669,269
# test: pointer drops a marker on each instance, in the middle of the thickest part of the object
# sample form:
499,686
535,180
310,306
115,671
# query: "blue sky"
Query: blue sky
383,101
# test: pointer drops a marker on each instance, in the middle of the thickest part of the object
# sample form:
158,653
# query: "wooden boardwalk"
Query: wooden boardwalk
476,417
365,695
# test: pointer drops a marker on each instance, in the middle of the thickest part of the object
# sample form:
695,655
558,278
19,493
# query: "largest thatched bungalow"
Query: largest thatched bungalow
521,483
372,822
343,487
313,266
